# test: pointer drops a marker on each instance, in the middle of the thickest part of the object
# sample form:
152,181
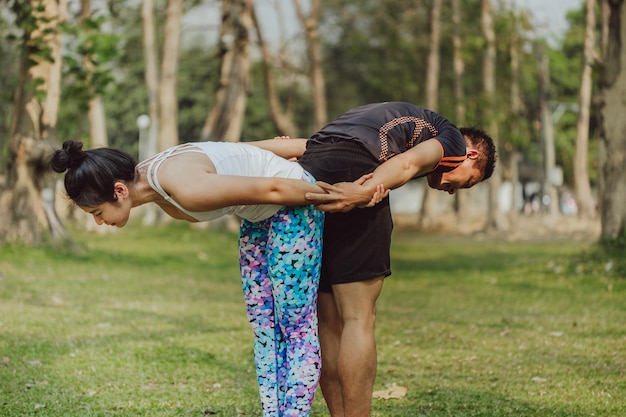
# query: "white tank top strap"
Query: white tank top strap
154,163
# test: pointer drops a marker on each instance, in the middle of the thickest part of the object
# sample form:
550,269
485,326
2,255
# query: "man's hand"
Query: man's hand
344,196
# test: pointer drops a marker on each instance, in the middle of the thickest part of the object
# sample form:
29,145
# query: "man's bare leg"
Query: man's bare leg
356,366
330,334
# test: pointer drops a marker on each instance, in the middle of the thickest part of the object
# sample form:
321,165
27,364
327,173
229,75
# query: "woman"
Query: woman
280,238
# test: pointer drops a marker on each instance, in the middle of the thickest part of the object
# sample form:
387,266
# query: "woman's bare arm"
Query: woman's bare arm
193,183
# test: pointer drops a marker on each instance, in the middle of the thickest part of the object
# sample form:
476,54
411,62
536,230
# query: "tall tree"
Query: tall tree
96,115
161,85
225,118
282,119
151,74
457,62
612,199
517,106
168,97
458,66
318,84
547,129
26,214
427,215
495,217
584,199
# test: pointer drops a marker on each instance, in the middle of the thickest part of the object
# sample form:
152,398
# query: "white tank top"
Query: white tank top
229,159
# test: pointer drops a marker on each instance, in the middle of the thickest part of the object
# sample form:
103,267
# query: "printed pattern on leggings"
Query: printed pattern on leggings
280,261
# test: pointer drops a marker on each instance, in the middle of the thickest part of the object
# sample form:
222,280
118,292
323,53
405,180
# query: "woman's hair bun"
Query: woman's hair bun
68,157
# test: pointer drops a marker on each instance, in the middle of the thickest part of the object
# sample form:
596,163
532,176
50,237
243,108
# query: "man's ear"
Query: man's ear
472,154
120,189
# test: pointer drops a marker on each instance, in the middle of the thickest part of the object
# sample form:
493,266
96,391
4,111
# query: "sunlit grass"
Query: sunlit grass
151,322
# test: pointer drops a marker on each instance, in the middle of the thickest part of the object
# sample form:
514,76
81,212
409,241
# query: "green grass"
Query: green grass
152,323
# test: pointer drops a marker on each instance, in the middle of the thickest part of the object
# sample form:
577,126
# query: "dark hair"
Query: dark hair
483,143
91,174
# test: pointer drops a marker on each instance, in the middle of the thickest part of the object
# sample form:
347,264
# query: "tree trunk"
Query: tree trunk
461,198
282,120
152,79
517,110
168,99
547,129
225,118
584,199
612,155
96,115
458,64
495,219
604,37
97,123
310,24
427,215
26,214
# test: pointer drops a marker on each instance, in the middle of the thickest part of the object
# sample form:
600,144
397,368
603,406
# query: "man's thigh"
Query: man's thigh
356,245
356,300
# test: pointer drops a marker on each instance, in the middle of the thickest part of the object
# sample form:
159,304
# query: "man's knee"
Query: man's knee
357,300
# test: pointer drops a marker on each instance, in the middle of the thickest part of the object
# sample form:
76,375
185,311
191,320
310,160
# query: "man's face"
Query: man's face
465,175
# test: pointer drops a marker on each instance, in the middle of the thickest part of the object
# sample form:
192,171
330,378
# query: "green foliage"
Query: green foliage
151,321
31,19
197,77
293,97
88,69
374,52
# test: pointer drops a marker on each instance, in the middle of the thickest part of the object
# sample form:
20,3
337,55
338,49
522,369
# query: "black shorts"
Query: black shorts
357,243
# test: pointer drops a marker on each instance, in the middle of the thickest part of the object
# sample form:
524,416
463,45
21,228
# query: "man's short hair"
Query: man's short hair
483,143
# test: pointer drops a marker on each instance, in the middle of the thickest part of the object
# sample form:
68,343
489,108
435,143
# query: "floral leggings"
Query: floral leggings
280,261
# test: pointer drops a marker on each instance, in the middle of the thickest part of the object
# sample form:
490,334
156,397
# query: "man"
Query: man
397,142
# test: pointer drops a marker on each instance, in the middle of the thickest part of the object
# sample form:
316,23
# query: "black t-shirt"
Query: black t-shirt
389,128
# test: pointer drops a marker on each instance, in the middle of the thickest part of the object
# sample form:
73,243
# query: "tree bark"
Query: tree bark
282,120
517,110
458,66
427,215
612,152
318,84
582,188
225,119
152,79
495,219
168,99
604,37
26,215
547,129
96,114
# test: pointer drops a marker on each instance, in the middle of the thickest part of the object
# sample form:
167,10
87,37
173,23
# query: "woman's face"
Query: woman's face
115,213
112,214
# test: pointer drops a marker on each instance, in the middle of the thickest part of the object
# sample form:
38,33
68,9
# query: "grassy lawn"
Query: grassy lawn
152,323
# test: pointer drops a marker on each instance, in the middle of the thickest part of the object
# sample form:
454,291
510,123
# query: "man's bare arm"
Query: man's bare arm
395,172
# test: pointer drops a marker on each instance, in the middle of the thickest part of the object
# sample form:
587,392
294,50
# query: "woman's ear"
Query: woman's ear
121,190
